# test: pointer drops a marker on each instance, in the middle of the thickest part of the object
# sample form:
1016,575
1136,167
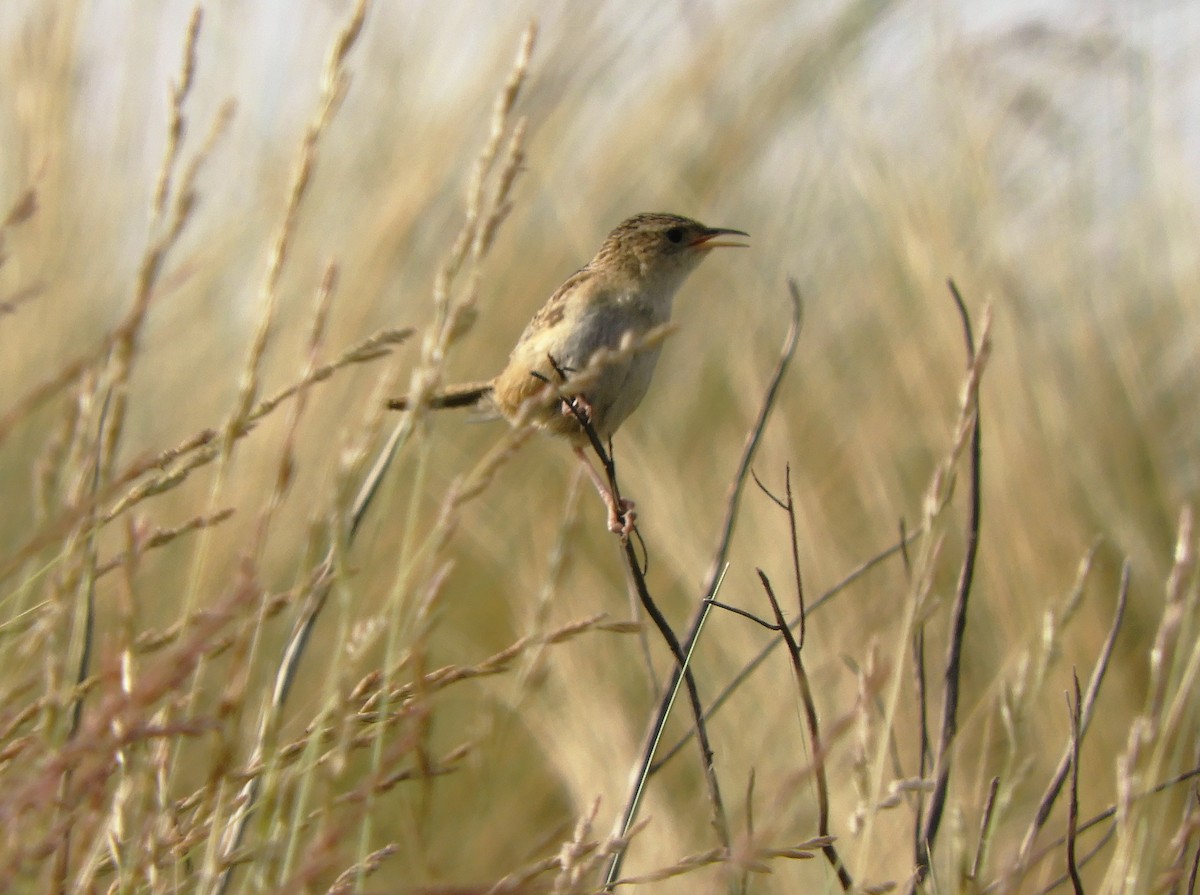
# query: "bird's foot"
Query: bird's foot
621,516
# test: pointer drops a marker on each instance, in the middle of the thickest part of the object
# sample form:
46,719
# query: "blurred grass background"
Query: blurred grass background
872,150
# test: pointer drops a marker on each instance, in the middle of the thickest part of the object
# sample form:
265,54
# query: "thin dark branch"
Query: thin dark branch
744,614
924,755
1065,878
788,505
778,501
814,735
1089,700
637,573
577,408
968,336
1191,883
958,624
1073,795
923,758
985,828
646,765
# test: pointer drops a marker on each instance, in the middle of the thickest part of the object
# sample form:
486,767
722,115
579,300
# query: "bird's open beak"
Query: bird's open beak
708,239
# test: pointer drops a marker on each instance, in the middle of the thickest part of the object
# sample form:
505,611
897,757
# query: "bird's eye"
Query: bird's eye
675,234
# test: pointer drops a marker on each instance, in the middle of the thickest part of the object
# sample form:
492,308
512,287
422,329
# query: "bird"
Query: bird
590,352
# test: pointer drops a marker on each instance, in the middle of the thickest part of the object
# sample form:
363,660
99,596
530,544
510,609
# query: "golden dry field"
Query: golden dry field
258,634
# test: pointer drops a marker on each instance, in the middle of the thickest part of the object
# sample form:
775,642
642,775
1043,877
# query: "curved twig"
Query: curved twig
1073,793
958,624
683,671
814,734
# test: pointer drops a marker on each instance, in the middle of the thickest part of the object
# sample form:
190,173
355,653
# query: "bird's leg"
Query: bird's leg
620,511
621,515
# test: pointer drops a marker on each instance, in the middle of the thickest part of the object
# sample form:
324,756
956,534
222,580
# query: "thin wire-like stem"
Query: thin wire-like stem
639,787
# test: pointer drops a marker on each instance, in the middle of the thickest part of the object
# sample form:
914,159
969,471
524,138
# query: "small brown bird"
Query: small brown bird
593,341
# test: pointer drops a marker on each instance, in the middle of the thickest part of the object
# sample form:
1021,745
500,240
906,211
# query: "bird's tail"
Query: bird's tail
468,394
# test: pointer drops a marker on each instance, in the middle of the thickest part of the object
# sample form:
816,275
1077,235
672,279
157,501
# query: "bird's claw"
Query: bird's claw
621,517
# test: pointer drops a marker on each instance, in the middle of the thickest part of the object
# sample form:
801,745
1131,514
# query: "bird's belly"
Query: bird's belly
620,384
604,327
621,393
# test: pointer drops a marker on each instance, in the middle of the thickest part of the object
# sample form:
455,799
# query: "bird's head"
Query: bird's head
662,248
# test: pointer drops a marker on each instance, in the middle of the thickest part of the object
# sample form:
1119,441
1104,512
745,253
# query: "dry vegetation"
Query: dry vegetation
241,652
